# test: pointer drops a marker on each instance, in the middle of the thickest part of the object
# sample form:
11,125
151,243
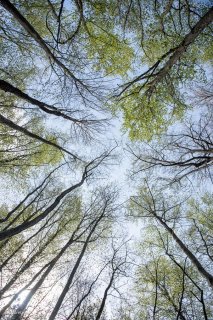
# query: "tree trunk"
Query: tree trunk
7,87
30,134
204,22
187,252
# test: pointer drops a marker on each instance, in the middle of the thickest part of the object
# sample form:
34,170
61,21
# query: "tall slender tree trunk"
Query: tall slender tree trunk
187,252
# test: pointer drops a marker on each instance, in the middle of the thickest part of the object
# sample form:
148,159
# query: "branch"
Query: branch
36,36
28,133
7,87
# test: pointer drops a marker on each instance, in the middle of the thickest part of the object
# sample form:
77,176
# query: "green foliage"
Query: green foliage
148,110
110,54
145,116
201,225
36,13
20,153
47,154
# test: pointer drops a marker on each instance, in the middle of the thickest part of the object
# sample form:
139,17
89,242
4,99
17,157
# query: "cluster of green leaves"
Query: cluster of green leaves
36,13
111,55
146,116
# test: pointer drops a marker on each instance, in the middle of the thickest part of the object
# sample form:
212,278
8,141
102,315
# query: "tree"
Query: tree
176,275
154,99
158,207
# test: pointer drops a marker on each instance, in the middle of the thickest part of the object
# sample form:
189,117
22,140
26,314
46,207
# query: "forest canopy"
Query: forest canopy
106,154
